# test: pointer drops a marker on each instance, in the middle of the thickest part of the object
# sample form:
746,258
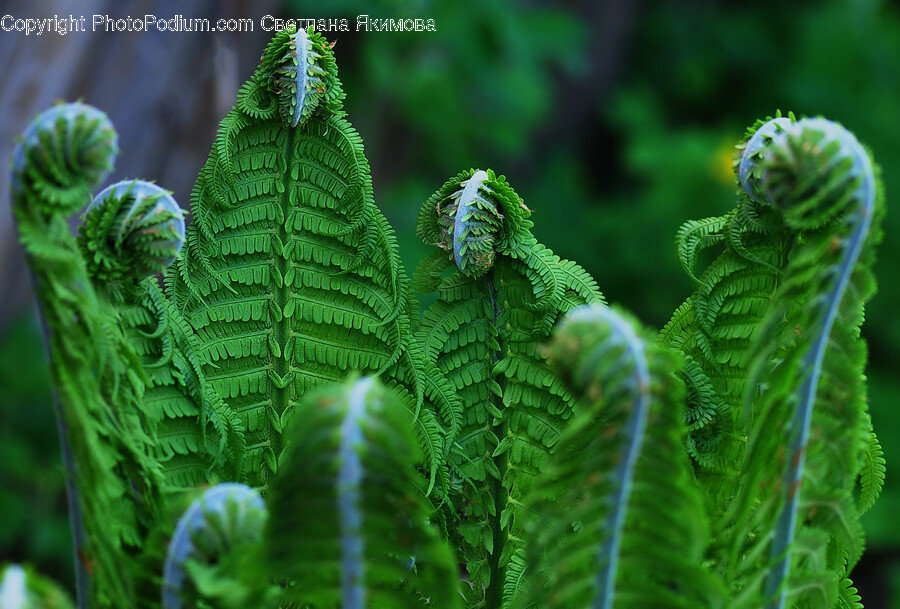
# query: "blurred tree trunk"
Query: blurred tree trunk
164,91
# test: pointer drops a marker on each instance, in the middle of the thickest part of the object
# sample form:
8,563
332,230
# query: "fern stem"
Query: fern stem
501,461
350,478
813,359
634,433
73,497
282,397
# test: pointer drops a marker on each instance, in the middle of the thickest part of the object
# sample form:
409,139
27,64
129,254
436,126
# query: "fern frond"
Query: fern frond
806,398
872,472
131,230
502,294
349,523
224,522
291,277
617,520
114,487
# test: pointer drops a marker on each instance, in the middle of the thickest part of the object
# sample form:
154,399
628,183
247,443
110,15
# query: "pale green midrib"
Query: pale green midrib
813,361
494,594
282,329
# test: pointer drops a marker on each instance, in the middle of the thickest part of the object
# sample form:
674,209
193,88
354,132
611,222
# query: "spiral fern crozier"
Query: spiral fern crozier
224,517
132,228
64,153
809,433
113,486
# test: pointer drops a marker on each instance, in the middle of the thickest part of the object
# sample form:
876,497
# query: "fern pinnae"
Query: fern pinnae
349,510
589,540
287,223
822,179
114,487
695,236
718,324
502,294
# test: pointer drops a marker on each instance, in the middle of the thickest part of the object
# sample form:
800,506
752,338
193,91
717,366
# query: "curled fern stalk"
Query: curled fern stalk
806,399
617,520
718,324
133,230
349,523
499,292
290,274
213,540
96,375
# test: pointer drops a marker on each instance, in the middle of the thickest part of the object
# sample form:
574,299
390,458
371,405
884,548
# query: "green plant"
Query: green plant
725,463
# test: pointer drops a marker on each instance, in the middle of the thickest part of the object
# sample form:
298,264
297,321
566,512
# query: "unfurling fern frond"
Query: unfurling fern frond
62,155
795,523
349,523
290,274
718,324
503,293
133,229
114,486
617,520
210,554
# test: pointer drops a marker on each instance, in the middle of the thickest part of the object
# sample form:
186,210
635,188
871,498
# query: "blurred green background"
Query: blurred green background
615,120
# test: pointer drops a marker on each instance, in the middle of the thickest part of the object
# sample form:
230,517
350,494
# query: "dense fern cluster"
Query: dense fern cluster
331,446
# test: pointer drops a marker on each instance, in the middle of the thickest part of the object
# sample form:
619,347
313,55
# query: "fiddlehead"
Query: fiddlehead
95,373
617,520
63,154
810,408
290,274
349,520
717,325
503,293
132,228
304,77
131,231
227,520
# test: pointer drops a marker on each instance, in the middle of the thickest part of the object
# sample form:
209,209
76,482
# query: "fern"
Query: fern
349,522
716,327
582,474
290,275
220,527
114,488
810,410
503,295
130,230
601,537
